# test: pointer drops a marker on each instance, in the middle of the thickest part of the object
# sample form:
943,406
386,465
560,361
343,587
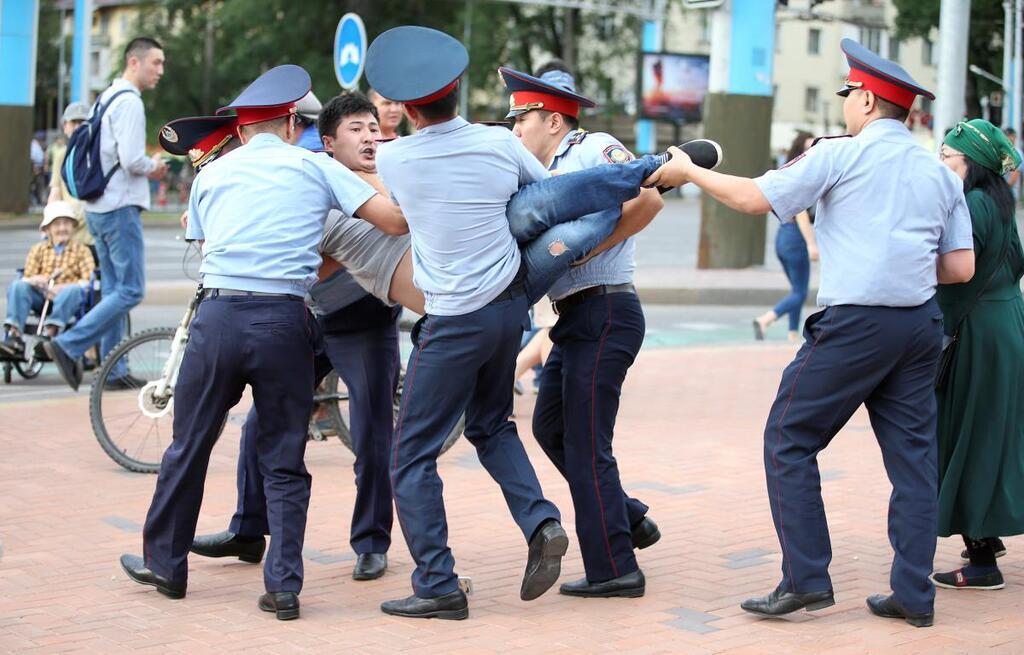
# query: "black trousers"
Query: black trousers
595,343
235,341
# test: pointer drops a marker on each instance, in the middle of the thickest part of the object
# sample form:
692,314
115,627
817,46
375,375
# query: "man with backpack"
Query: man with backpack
115,194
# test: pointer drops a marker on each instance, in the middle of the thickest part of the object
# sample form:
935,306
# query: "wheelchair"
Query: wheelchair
31,363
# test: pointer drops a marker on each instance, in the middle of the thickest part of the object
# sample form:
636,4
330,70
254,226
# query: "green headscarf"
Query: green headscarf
985,144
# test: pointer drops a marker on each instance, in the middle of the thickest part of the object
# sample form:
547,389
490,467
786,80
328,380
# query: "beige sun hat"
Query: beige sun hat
55,210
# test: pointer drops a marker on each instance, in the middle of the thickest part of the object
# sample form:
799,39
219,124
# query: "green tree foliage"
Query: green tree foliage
985,46
251,36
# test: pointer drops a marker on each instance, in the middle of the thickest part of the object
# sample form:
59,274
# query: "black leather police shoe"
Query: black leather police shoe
370,566
887,607
544,562
284,603
781,602
453,607
645,533
70,369
229,544
631,585
136,569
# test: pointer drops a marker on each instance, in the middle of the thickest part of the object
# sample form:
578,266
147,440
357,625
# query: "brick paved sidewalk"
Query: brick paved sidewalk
688,444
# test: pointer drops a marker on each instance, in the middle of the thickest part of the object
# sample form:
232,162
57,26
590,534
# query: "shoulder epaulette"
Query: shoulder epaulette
837,136
578,137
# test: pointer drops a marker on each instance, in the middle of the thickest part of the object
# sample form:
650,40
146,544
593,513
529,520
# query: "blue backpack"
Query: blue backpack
82,171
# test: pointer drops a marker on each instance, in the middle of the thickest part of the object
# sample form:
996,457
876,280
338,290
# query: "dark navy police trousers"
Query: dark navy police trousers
595,343
886,359
367,361
234,341
460,363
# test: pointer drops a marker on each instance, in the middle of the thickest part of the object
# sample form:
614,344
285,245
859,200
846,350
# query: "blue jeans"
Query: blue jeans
791,250
560,219
119,246
22,298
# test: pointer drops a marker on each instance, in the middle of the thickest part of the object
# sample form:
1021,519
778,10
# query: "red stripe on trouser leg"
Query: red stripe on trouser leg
778,444
593,436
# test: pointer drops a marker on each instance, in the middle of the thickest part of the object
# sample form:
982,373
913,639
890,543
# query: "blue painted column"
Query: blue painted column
646,129
19,24
80,46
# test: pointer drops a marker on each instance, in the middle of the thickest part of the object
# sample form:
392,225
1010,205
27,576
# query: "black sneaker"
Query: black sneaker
703,152
997,546
13,347
959,579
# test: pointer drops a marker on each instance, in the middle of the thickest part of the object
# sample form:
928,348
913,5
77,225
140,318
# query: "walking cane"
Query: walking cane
46,302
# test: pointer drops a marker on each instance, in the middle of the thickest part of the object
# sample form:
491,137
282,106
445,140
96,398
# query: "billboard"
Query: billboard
672,86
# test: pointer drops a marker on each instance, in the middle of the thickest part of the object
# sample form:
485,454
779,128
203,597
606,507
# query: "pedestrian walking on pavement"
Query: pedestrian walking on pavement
981,393
796,248
892,223
114,218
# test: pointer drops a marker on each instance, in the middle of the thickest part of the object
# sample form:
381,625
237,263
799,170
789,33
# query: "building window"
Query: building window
927,52
871,38
894,50
813,41
705,27
811,100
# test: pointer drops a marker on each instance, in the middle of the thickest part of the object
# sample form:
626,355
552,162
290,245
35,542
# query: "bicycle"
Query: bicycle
152,357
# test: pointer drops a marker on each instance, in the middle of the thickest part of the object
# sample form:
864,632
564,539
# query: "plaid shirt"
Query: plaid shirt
75,263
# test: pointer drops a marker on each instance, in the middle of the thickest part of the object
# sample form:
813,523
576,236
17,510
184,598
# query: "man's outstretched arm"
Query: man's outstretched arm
739,193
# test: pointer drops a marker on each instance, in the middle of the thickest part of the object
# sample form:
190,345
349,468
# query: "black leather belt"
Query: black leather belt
584,294
214,293
515,288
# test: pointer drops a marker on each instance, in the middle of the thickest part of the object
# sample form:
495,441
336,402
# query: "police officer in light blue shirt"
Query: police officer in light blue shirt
260,212
891,223
599,332
454,180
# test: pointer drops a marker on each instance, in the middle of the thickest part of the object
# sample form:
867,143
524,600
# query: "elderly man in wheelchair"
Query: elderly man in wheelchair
55,284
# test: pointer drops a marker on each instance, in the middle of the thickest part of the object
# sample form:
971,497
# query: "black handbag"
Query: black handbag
950,343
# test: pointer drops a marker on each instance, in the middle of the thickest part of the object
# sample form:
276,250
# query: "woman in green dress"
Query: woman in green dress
980,431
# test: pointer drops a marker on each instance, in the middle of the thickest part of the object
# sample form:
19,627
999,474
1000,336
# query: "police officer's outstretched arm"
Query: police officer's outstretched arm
355,197
383,214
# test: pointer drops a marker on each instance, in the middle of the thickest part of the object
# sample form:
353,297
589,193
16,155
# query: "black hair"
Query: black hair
444,107
139,46
891,110
553,65
799,145
1009,131
340,107
991,184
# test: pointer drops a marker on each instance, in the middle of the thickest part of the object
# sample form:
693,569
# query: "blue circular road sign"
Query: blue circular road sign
349,50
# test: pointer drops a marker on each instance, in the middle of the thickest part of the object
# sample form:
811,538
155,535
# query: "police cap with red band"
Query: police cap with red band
198,137
271,95
415,65
884,78
527,93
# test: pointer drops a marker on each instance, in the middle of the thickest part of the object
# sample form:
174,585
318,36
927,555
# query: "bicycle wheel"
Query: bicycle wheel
132,424
453,436
330,411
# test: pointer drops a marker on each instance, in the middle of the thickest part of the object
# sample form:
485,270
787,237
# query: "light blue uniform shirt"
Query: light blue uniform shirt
615,265
886,208
261,211
453,180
